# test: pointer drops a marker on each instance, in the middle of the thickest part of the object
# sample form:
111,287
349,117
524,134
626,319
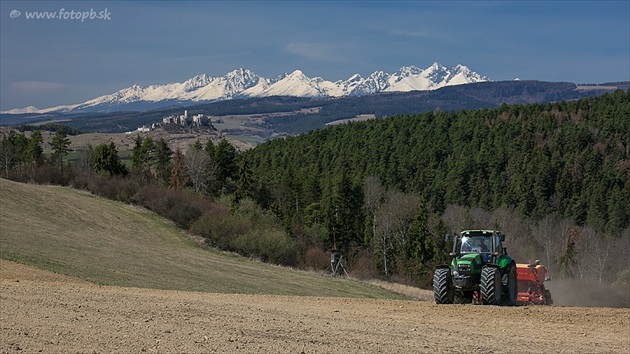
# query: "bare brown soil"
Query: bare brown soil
49,313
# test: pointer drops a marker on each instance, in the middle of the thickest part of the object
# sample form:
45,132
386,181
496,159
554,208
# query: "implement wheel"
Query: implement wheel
491,286
547,297
443,286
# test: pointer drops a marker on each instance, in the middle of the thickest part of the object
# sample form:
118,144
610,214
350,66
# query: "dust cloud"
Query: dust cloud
587,293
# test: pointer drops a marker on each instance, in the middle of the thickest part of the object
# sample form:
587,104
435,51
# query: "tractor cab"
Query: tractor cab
485,243
479,246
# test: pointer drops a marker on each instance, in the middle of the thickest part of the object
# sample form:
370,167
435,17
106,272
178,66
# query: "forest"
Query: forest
383,185
554,177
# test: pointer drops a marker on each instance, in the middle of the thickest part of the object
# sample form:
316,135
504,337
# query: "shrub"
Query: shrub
316,259
248,231
178,205
249,210
115,188
623,278
219,228
269,245
363,266
48,174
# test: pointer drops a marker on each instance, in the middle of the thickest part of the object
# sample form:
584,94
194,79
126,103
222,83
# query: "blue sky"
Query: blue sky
64,61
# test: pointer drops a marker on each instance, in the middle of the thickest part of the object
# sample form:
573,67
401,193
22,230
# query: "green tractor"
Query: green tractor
480,271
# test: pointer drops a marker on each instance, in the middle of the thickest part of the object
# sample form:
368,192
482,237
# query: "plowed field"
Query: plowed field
50,313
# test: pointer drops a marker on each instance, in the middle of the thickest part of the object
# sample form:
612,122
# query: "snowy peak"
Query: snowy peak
29,109
243,83
295,84
242,79
355,78
196,82
436,73
462,75
407,71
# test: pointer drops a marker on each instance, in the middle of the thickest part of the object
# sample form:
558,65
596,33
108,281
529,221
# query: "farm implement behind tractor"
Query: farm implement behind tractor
482,272
531,287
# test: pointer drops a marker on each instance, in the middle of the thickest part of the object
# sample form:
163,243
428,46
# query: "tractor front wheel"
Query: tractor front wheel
443,286
491,286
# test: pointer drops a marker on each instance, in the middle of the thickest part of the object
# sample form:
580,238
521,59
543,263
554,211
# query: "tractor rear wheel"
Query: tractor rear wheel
443,286
491,286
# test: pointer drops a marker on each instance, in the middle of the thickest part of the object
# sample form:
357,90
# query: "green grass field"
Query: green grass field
75,233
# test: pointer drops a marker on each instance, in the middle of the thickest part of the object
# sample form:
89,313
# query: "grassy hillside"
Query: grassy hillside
106,242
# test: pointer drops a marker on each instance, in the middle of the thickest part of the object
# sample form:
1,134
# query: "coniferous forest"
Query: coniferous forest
554,177
363,181
567,158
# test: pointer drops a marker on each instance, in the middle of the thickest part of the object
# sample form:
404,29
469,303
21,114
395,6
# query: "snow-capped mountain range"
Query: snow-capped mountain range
243,83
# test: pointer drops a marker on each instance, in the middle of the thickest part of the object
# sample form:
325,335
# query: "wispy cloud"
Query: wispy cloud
37,86
418,33
407,33
319,51
206,57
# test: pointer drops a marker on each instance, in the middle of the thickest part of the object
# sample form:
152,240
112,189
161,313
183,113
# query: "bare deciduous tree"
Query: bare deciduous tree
373,193
393,218
594,250
550,233
202,171
8,156
518,235
481,219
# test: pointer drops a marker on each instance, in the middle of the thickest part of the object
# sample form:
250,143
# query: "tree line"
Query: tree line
554,177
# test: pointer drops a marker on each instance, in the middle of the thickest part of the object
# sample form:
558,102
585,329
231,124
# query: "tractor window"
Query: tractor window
497,243
476,244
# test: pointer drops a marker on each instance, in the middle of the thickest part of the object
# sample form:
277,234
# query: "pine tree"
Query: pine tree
20,143
34,149
196,145
345,216
106,160
210,148
59,145
569,254
136,153
147,152
162,160
244,187
420,248
225,159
